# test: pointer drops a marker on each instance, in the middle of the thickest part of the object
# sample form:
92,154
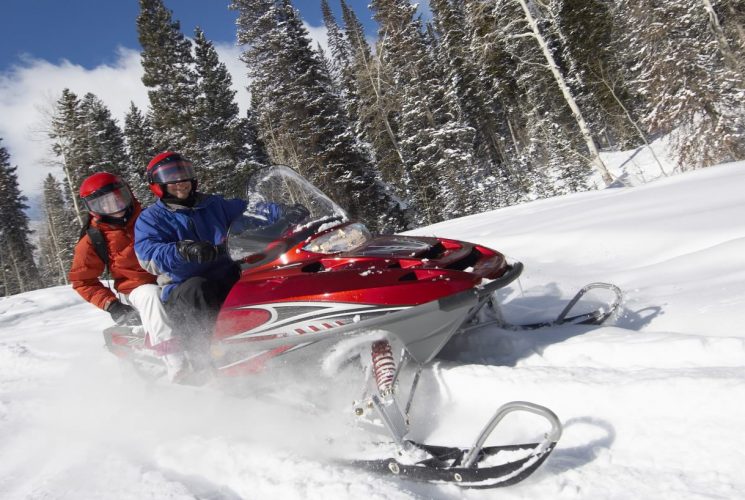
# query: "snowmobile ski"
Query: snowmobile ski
478,466
595,317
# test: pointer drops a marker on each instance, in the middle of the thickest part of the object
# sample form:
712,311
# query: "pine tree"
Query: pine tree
731,18
59,234
138,136
545,141
86,139
340,67
258,155
103,139
69,145
222,135
167,62
731,37
533,17
373,104
692,90
438,148
474,105
588,59
300,119
19,271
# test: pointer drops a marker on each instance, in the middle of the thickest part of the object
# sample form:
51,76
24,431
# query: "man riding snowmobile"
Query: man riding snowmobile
181,239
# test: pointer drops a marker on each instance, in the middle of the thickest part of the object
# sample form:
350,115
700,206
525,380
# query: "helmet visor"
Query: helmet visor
172,171
109,202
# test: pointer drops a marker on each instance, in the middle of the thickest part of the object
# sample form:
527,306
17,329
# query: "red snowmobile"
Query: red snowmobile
306,287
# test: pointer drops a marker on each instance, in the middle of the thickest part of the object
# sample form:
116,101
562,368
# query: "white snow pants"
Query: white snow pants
146,299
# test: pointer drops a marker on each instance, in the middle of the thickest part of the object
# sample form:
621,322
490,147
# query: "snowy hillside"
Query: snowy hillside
652,405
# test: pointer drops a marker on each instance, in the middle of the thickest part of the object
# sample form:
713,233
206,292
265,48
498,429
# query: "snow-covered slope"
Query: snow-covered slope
652,405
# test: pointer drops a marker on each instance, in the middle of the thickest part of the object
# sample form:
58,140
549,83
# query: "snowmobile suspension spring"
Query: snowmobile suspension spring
384,366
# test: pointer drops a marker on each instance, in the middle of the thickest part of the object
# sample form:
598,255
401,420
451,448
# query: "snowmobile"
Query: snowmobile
309,286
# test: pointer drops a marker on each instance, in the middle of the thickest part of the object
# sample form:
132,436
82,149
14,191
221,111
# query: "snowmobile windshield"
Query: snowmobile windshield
281,202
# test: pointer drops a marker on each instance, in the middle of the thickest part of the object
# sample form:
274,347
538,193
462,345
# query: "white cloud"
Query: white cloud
29,91
318,36
27,96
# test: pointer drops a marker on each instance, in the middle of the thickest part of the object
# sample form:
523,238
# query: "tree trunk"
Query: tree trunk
5,275
639,131
716,28
378,101
57,251
71,188
16,270
738,27
597,162
73,196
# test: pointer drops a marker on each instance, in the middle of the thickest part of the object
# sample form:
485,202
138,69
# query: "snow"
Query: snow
652,403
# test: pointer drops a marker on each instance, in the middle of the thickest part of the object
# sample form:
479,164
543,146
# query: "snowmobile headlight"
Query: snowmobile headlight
342,239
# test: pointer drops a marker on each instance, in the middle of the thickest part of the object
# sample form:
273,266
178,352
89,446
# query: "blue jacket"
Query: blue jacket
159,227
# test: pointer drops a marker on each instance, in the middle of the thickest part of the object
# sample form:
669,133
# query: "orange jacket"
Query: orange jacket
124,269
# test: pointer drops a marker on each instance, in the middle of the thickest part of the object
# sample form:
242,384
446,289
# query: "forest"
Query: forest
487,104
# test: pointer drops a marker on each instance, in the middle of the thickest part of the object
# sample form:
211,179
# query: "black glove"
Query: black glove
122,314
295,213
197,251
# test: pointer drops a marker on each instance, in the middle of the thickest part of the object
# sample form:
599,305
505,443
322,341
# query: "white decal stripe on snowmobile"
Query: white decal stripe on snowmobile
304,323
321,311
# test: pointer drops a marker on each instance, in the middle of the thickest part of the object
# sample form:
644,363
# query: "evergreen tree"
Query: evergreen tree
438,148
19,271
473,103
373,104
731,18
138,135
475,108
693,89
588,59
300,119
69,145
222,135
59,235
340,63
86,139
517,53
338,45
102,137
169,74
257,151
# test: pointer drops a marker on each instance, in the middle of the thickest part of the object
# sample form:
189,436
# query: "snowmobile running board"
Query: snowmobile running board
477,466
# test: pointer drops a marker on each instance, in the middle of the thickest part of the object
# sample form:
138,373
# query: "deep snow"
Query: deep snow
652,405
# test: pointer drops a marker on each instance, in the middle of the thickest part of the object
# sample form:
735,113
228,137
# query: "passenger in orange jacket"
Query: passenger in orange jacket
113,211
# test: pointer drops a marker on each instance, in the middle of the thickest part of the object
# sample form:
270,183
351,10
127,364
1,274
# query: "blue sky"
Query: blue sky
88,32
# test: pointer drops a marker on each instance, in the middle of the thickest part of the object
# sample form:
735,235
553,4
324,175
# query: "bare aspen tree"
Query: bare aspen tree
535,32
631,120
731,60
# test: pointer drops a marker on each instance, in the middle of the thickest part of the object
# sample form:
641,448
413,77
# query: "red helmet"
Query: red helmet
168,168
105,194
